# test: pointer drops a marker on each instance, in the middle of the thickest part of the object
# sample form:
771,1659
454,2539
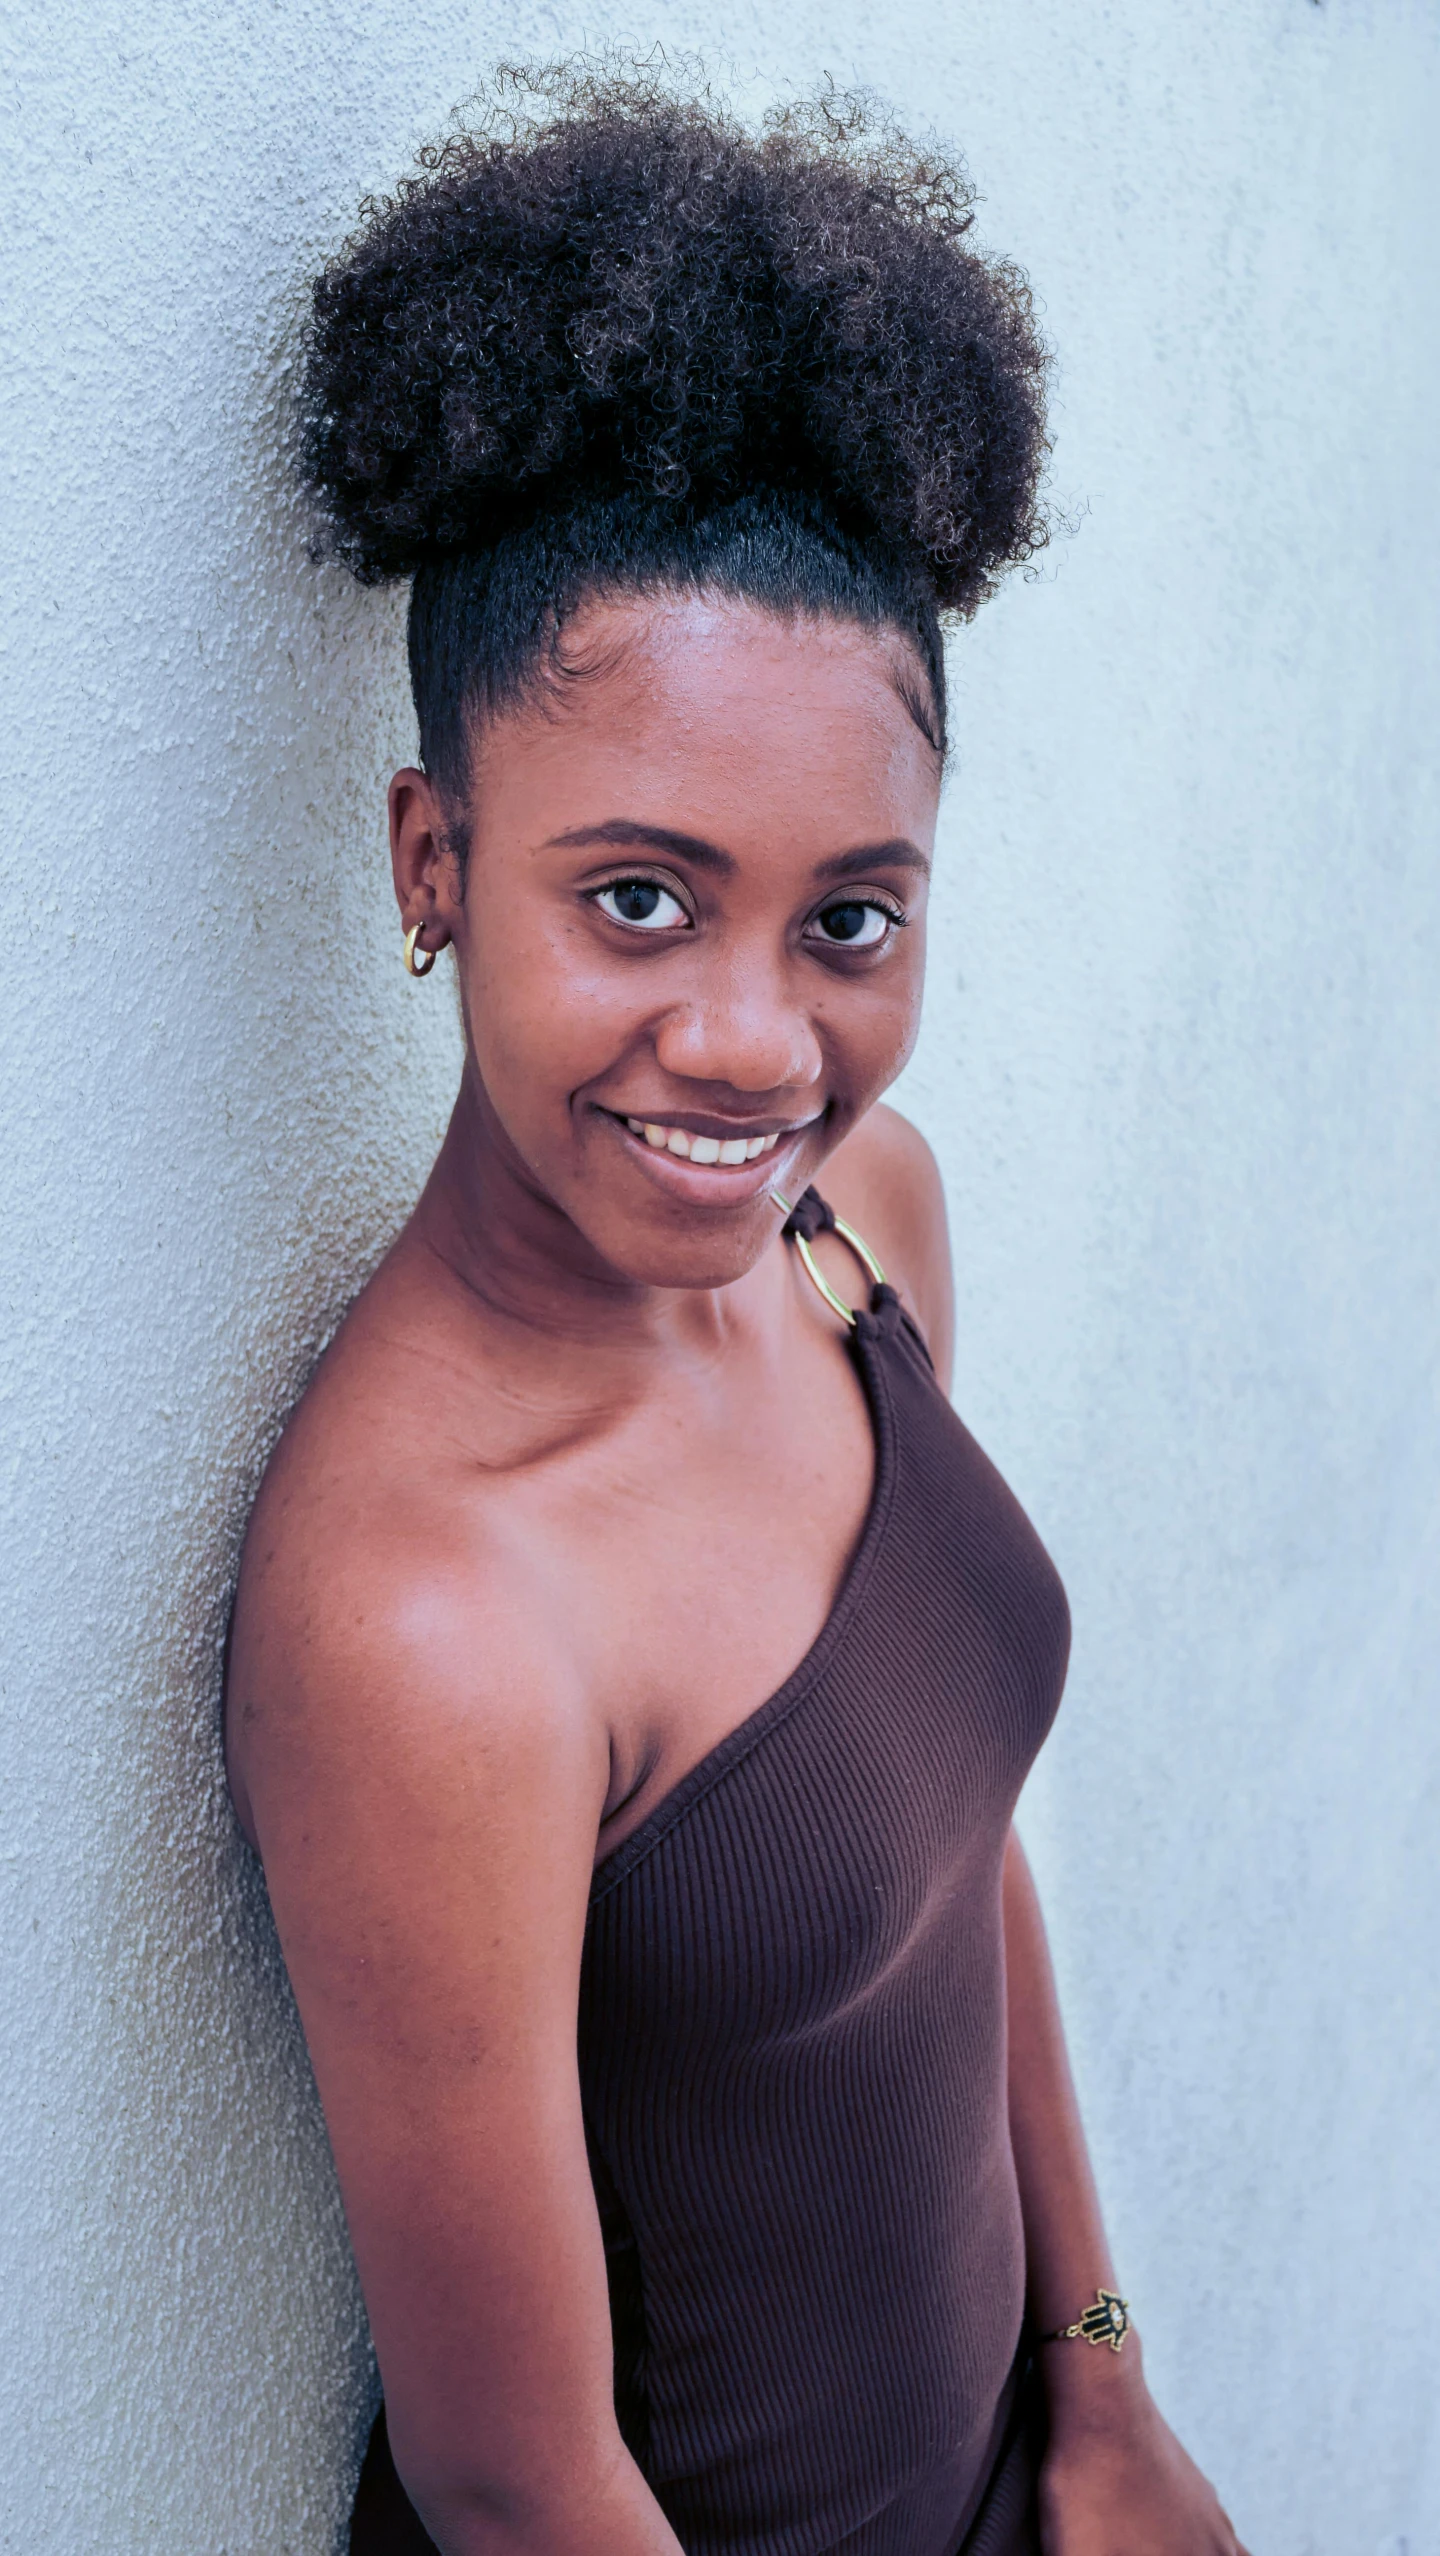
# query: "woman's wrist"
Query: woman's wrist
1091,2389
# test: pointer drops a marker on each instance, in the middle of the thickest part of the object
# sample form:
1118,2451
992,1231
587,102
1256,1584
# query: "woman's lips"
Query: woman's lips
664,1139
708,1169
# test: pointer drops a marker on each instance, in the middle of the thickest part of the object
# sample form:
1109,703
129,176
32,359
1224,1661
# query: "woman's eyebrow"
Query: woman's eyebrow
625,834
898,854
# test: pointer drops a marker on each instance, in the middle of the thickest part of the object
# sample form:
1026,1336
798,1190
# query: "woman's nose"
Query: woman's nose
743,1028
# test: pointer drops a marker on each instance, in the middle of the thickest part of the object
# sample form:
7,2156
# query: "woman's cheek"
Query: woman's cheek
545,1020
875,1043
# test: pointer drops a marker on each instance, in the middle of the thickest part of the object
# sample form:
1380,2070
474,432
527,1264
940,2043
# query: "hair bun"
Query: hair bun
626,291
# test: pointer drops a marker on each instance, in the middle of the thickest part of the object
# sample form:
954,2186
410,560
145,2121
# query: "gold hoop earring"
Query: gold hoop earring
412,962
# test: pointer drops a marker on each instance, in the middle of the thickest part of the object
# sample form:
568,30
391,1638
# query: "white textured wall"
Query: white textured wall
1180,1066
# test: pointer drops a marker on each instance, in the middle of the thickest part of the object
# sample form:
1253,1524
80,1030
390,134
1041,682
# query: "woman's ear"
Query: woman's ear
423,864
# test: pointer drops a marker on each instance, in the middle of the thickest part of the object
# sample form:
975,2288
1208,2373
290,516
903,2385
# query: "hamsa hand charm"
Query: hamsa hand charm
1108,2321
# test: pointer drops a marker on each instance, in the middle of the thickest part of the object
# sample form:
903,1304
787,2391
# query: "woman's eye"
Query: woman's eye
643,902
855,927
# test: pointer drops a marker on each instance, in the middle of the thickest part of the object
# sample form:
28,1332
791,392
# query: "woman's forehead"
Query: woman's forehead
699,682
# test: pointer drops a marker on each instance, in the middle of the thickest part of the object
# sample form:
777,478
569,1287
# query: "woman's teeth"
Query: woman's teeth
701,1149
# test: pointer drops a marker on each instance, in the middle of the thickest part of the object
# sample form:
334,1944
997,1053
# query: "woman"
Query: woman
635,1662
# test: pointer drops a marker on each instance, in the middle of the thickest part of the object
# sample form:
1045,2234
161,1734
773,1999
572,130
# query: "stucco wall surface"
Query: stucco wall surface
1180,1066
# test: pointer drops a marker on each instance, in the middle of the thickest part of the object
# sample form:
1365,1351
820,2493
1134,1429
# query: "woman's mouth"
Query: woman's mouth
701,1149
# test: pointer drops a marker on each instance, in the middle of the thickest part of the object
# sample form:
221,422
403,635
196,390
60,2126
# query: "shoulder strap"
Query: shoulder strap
813,1215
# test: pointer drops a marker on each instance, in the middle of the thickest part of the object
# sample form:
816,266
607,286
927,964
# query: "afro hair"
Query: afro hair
607,289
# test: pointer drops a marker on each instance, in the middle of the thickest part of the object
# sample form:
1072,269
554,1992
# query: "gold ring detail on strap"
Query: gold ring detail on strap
815,1274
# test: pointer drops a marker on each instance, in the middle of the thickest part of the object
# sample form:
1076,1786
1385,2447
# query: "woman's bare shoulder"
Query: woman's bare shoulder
389,1603
884,1180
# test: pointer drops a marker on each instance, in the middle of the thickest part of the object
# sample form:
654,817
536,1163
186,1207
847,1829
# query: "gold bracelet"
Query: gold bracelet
1108,2321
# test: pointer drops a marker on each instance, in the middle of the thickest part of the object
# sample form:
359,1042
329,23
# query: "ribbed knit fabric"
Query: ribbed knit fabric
791,2037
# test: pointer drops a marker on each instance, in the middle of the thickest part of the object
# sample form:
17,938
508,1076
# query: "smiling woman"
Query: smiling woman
636,1662
659,928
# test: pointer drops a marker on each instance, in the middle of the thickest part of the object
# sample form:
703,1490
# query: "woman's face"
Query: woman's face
691,936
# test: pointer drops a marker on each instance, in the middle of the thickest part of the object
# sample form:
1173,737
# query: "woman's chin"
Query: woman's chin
656,1219
675,1239
654,1253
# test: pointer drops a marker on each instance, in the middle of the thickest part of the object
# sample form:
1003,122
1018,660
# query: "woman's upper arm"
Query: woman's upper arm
886,1182
425,1795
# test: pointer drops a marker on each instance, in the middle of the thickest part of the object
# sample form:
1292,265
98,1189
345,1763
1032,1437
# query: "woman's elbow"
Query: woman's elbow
478,2505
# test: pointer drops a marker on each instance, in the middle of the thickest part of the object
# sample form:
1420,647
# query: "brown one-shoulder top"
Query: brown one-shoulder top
792,2038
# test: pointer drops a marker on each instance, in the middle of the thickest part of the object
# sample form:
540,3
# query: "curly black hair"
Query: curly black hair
609,337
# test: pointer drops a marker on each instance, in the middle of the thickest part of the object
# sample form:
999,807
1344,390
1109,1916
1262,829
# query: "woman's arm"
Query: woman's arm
1116,2481
1067,2255
425,1790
